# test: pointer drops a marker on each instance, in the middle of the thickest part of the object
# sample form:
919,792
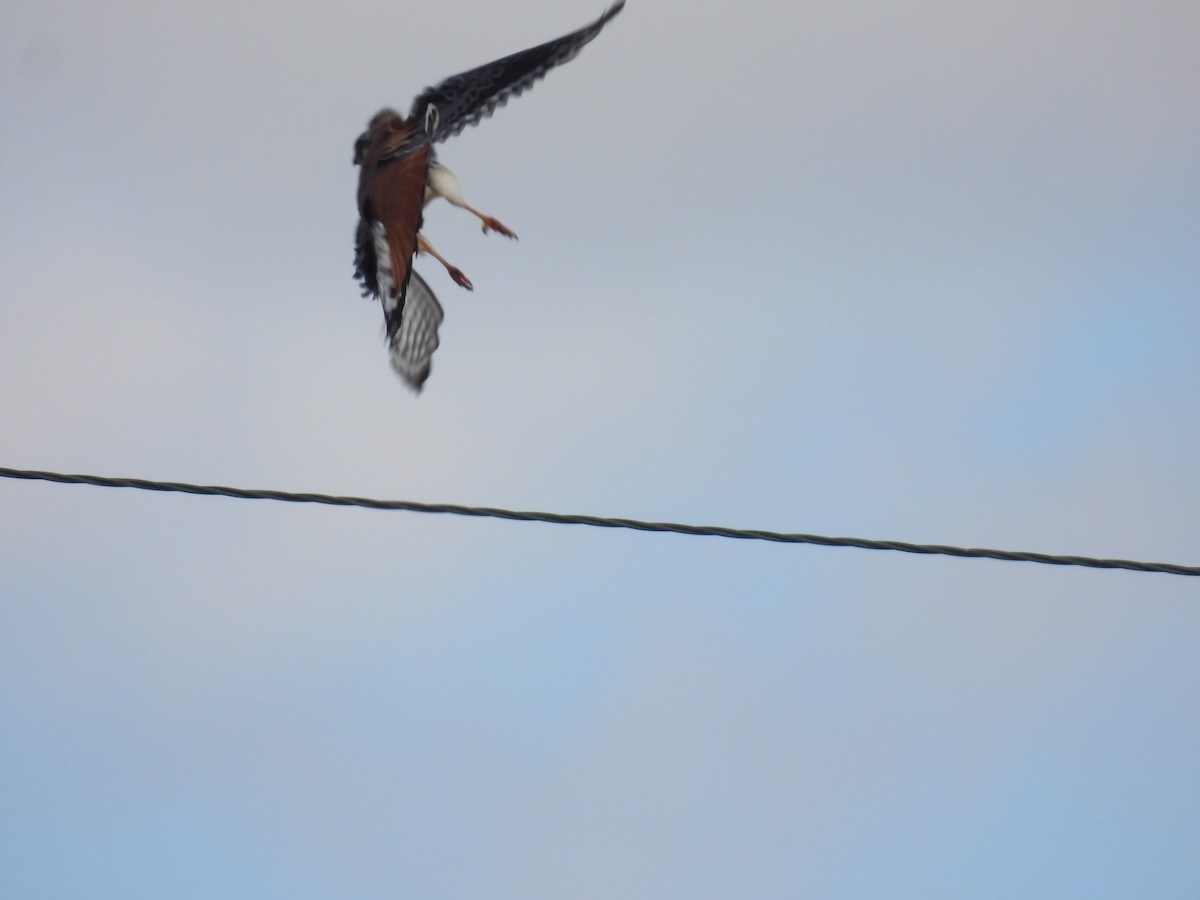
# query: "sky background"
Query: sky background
922,271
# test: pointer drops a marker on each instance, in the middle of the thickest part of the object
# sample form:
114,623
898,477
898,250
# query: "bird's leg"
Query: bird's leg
490,223
441,182
455,272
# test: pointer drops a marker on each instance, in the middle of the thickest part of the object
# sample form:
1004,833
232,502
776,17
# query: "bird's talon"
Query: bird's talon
460,279
492,224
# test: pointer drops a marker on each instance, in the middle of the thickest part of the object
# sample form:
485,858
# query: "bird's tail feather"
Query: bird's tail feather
413,339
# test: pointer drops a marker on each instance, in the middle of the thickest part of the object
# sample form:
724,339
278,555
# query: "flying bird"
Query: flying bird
400,174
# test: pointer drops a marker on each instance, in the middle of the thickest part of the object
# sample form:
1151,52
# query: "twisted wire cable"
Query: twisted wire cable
1049,559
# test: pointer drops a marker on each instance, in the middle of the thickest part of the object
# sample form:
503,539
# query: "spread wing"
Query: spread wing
465,99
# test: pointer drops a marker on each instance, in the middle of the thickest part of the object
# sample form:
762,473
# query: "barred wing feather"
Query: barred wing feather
466,98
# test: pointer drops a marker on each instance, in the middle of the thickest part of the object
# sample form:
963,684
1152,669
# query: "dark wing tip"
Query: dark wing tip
611,11
366,263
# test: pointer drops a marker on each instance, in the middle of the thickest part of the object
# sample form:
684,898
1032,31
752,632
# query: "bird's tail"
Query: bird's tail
411,312
413,334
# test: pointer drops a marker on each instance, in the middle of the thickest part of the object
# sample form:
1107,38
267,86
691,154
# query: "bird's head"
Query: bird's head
381,124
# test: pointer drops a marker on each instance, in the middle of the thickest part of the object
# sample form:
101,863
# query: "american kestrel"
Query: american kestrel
400,174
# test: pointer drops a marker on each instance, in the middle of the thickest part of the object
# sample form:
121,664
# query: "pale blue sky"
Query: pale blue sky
923,271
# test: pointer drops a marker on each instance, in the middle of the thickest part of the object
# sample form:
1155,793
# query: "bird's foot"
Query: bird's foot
459,278
490,223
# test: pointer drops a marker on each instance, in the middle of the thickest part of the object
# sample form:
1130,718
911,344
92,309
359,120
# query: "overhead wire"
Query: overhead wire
1050,559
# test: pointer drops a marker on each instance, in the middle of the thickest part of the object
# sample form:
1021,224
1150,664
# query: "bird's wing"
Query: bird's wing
465,99
391,194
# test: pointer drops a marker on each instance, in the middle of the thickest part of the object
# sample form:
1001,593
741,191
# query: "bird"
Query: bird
399,174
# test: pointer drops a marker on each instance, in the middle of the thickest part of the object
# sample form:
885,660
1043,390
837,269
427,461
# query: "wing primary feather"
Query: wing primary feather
385,275
366,263
469,97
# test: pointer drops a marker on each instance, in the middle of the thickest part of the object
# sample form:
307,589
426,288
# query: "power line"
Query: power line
600,522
